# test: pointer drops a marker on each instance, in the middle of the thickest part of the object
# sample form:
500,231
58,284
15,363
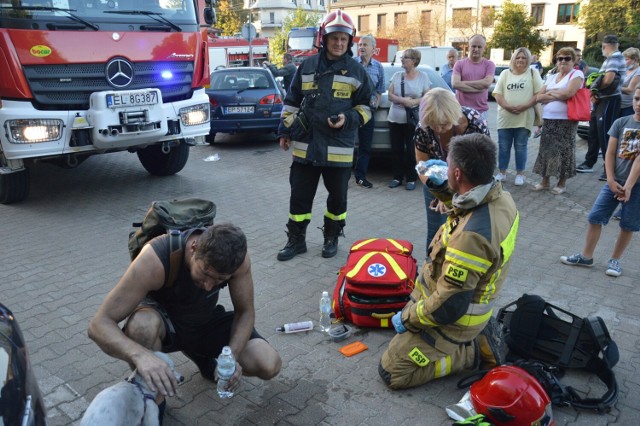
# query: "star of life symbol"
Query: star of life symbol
377,270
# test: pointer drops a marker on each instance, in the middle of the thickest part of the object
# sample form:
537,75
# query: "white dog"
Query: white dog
126,403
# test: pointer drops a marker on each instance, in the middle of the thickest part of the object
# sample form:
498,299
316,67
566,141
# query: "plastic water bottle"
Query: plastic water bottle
325,312
226,367
436,172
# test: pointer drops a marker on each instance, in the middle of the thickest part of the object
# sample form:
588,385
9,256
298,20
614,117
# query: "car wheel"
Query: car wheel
158,163
14,187
210,138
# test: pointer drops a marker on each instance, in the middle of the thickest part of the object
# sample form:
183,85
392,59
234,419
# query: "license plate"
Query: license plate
132,99
240,110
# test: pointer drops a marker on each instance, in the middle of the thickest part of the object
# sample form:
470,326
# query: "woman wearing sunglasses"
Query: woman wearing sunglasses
556,156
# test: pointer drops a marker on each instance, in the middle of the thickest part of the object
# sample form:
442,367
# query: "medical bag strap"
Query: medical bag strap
175,257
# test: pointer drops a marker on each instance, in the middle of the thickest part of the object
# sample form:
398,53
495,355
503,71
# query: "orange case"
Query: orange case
353,348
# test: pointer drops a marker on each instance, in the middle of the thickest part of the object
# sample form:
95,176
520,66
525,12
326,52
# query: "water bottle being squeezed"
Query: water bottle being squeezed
226,367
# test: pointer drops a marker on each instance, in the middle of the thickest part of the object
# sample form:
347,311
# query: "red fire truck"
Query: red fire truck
85,77
236,51
304,42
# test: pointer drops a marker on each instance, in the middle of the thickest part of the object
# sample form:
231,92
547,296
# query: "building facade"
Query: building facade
452,22
430,22
268,15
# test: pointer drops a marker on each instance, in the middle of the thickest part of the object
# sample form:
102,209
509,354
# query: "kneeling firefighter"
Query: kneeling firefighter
448,326
327,102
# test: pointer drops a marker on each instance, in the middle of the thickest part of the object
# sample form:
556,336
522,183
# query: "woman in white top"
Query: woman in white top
557,153
416,84
630,81
515,93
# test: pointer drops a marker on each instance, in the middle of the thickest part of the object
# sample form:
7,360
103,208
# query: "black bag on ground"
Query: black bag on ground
539,331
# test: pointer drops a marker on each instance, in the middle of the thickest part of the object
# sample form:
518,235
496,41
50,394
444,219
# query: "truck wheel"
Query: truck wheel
210,138
14,187
158,163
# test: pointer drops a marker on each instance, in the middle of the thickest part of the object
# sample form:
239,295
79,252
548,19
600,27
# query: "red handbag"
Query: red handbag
579,105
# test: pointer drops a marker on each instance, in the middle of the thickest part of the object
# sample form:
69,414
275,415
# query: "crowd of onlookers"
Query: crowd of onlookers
526,100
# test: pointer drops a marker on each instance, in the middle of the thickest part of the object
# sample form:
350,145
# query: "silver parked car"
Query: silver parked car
381,139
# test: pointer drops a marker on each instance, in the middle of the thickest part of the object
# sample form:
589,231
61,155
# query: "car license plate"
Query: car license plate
240,110
132,99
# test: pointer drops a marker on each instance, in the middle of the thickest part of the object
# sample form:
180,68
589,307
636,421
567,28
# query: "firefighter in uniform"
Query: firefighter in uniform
447,325
326,104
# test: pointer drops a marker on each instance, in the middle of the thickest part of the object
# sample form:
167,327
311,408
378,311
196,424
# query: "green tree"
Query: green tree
601,17
229,19
297,19
516,28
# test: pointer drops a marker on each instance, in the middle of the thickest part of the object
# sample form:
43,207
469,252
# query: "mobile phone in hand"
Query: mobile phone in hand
334,118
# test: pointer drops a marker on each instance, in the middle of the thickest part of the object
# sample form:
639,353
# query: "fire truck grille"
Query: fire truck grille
66,87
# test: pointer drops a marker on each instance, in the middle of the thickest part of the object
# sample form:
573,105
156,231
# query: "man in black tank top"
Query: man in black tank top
184,315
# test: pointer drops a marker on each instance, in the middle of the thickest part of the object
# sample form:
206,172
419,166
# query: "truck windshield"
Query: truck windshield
107,15
301,43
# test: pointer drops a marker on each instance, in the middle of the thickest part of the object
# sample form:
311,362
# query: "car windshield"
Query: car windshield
434,76
237,79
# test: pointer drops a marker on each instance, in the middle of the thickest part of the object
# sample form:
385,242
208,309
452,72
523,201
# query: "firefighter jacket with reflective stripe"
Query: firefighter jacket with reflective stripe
454,294
328,88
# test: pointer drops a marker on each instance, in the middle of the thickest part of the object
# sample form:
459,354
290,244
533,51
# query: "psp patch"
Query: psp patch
418,357
457,274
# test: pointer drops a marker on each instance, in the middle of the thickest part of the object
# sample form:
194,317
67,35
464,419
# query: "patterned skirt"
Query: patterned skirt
557,153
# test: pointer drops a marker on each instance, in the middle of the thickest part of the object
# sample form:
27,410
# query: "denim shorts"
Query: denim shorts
606,204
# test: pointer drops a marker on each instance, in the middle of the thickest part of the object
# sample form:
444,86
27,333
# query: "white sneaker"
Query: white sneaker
500,177
520,180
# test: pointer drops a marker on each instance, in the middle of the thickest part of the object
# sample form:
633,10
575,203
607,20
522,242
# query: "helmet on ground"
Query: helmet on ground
338,21
510,396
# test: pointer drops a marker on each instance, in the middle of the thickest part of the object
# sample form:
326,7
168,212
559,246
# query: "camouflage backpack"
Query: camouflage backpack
171,217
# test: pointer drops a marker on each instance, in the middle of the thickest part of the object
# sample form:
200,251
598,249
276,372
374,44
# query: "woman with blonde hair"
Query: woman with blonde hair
515,94
441,118
557,153
630,80
405,91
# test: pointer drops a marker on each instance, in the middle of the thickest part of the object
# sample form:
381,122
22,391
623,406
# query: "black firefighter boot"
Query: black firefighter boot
296,243
332,230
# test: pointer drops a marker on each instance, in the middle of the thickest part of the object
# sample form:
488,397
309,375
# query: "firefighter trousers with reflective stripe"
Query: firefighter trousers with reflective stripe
413,359
304,179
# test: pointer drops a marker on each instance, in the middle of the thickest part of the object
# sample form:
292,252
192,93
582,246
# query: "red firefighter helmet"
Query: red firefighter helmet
510,396
338,21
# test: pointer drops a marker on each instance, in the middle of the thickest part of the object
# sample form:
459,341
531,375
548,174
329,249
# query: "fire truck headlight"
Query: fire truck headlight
34,131
194,115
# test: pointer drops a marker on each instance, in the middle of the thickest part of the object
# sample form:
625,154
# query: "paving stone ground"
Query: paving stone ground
65,247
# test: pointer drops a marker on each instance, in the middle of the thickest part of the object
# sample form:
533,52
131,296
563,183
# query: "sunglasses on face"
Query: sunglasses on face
564,58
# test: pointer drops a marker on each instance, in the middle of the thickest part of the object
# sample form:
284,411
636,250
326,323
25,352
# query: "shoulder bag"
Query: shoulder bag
537,108
579,105
413,113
